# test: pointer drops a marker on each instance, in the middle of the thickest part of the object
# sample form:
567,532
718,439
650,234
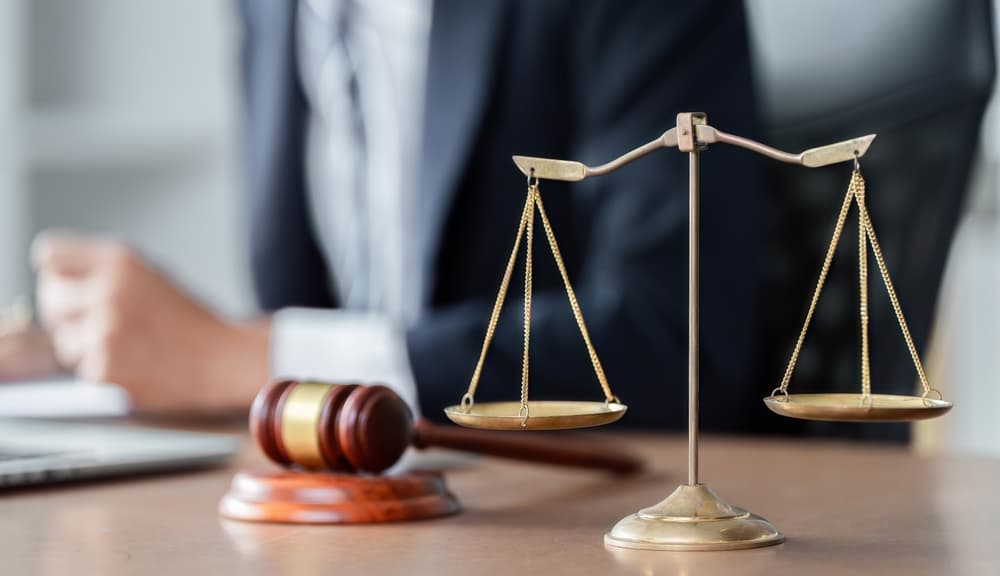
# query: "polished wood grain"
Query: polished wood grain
846,510
551,449
327,498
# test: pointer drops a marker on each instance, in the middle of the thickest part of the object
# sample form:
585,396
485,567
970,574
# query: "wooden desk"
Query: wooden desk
845,510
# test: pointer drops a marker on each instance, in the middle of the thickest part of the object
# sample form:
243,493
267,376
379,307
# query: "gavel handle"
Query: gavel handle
545,450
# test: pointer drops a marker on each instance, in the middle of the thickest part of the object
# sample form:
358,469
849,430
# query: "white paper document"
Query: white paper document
67,398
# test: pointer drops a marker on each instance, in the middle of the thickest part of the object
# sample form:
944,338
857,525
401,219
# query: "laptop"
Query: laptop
43,451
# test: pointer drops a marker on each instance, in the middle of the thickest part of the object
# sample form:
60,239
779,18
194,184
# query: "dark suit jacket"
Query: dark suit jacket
584,80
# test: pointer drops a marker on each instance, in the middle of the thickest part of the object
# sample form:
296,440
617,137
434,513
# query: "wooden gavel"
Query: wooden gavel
350,427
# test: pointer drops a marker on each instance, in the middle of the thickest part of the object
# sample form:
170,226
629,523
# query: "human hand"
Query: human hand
115,319
26,353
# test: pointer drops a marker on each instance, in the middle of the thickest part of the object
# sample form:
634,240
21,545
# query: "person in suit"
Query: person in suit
383,206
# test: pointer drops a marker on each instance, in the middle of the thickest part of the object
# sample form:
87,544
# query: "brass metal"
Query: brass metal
836,153
811,158
567,170
693,518
687,136
686,125
300,423
572,171
558,415
545,415
862,407
547,169
857,407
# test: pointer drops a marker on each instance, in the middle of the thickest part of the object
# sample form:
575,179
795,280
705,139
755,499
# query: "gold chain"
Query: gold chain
837,230
866,235
526,230
858,184
470,394
574,304
529,243
893,299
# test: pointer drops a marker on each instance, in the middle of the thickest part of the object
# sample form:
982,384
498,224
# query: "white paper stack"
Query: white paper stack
67,398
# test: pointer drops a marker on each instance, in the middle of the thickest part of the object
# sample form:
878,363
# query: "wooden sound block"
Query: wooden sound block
318,498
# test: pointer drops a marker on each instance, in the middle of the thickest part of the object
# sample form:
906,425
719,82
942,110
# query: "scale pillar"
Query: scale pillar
687,142
693,517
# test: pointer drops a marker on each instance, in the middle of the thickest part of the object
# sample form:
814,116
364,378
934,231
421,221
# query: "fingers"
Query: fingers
76,275
86,344
94,362
63,299
26,354
71,254
70,341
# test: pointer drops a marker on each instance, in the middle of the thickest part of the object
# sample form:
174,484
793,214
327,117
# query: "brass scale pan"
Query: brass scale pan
838,407
832,407
543,415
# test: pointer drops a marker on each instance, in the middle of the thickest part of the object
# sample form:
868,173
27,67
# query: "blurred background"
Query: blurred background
122,117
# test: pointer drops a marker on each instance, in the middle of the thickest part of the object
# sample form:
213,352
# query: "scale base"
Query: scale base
693,518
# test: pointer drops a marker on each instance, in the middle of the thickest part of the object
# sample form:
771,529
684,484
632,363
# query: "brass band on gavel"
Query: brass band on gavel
319,425
300,428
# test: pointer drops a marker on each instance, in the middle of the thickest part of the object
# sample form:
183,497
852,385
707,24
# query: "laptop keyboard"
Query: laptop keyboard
33,452
20,468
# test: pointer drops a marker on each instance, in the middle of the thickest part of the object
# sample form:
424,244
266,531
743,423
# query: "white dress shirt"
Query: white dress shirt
362,65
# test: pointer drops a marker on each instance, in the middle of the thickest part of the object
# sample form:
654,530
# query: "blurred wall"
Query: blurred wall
123,119
965,355
13,278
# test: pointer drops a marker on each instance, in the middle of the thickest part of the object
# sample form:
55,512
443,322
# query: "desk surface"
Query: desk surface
845,509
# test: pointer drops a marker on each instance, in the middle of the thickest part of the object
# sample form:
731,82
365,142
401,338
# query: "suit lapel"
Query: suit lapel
464,38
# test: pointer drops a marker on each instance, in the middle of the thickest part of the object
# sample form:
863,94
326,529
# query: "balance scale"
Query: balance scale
693,517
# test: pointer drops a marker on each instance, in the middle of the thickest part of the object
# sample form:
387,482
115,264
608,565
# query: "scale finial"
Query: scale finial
835,153
548,169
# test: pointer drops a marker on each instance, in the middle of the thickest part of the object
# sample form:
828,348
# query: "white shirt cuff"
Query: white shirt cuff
343,347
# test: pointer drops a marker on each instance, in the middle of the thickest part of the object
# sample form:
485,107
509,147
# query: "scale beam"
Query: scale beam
572,171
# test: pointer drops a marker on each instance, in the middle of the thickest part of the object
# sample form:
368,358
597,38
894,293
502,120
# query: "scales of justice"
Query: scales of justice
693,517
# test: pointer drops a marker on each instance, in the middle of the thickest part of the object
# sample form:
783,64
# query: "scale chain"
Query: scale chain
884,271
858,184
837,231
529,243
866,235
468,398
573,303
526,231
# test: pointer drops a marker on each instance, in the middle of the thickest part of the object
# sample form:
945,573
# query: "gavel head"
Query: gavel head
321,426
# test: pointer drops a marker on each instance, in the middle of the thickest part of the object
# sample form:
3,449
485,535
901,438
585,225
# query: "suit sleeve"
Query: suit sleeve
634,65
